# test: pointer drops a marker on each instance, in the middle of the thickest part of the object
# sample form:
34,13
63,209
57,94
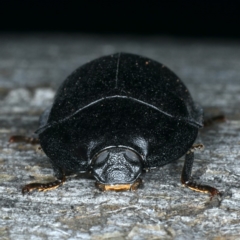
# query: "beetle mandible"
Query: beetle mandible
116,117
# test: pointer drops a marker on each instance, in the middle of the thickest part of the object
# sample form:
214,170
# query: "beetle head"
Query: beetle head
117,166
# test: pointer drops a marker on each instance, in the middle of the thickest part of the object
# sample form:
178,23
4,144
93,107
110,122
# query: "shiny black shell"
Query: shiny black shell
119,100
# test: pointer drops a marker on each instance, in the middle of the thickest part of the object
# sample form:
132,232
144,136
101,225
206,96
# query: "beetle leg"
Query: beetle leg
19,138
136,184
42,187
212,120
186,174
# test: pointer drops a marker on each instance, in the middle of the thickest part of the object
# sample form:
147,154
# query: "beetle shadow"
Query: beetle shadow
212,117
174,170
169,173
85,175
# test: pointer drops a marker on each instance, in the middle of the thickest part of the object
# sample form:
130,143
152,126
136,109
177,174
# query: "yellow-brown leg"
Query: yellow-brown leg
187,170
19,138
216,119
136,184
42,187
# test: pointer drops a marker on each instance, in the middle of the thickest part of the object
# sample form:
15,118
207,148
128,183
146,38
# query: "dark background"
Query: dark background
171,18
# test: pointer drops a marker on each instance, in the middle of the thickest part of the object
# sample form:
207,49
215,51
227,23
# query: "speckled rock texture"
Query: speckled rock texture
31,69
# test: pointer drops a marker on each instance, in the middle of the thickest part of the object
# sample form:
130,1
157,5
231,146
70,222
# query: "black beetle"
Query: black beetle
115,117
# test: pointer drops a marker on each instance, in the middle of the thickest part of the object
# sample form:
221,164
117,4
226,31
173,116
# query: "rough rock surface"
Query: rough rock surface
31,69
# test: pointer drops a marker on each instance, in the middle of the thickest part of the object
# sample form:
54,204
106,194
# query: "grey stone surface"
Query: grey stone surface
31,69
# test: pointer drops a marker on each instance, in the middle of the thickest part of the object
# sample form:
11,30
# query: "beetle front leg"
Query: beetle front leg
42,187
217,119
20,138
187,170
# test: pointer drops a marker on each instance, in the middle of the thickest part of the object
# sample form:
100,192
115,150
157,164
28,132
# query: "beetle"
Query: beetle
116,117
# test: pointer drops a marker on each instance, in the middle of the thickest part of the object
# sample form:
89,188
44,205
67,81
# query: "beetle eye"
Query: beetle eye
101,158
132,156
